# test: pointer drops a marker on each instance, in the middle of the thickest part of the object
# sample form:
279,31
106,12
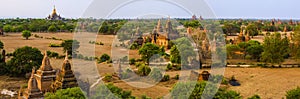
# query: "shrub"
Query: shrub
70,93
293,94
144,70
254,97
178,67
103,58
165,78
52,54
54,45
169,66
108,78
132,61
26,34
176,77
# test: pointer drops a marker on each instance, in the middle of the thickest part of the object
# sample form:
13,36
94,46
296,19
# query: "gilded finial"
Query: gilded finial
66,57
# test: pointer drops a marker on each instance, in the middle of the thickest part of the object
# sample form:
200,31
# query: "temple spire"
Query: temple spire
46,63
67,56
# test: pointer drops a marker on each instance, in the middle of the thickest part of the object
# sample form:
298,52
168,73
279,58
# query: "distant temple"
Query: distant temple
159,36
48,80
54,15
242,37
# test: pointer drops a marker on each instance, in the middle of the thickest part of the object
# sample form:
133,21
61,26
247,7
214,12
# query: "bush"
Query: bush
103,58
52,54
166,78
144,70
293,94
169,66
26,34
176,77
115,92
70,93
54,45
132,61
178,67
108,78
254,97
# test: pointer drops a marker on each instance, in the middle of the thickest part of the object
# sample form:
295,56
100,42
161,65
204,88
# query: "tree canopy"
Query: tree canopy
293,94
275,48
70,46
70,93
24,59
26,34
148,50
1,45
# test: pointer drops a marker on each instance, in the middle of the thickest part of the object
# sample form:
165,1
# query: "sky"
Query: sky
261,9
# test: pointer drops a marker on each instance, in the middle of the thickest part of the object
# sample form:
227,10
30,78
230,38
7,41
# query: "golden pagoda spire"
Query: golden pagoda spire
54,10
46,63
66,57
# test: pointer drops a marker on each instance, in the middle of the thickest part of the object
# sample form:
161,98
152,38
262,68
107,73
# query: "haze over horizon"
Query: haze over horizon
246,9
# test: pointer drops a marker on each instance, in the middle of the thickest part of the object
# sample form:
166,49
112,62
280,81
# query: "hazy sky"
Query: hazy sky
286,9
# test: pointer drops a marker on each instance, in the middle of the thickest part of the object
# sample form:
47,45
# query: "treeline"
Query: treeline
112,26
37,25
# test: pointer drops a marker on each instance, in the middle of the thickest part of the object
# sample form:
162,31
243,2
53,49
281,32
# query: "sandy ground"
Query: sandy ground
266,82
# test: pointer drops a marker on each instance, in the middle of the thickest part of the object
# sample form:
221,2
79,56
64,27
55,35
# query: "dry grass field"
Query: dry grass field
266,82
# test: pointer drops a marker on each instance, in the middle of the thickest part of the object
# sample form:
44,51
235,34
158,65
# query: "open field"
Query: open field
266,82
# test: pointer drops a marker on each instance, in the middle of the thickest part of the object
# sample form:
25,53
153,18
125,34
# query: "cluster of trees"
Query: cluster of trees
254,27
69,93
38,25
148,50
275,49
250,50
194,90
24,59
110,91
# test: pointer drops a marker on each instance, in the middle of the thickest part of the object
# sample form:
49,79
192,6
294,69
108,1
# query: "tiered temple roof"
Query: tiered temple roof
45,75
65,78
32,91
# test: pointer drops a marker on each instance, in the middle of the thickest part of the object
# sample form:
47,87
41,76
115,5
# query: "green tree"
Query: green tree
254,97
252,30
183,89
232,49
103,58
175,55
52,28
148,50
70,93
144,70
110,91
24,59
229,28
255,51
1,45
296,43
275,49
7,28
70,46
223,94
185,48
293,94
26,34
